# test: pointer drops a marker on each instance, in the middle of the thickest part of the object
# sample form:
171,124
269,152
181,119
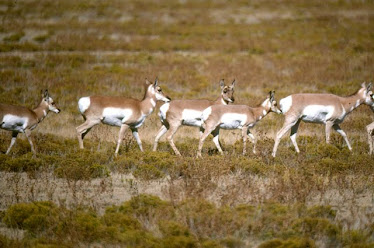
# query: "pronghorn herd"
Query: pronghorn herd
209,116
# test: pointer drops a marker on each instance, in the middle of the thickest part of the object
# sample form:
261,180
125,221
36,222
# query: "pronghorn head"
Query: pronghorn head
367,93
227,92
48,102
271,104
155,90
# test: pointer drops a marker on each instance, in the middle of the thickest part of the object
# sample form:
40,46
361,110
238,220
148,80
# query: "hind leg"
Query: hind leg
12,142
170,133
83,129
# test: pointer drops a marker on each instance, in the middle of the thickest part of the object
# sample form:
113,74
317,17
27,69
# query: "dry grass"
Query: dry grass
80,48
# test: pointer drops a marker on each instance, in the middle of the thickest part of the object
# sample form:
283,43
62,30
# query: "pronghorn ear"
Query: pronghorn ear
147,81
271,94
233,83
369,86
222,83
363,85
45,94
156,82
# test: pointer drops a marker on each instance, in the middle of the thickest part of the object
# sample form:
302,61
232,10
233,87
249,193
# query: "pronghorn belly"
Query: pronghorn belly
14,123
233,121
317,113
191,117
116,116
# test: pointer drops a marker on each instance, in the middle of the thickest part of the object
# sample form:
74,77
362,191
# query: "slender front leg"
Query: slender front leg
370,131
286,126
209,130
12,142
28,135
120,137
244,137
342,133
253,139
328,131
215,134
136,136
160,133
293,135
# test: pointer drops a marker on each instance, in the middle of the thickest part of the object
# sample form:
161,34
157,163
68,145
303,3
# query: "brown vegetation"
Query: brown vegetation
322,197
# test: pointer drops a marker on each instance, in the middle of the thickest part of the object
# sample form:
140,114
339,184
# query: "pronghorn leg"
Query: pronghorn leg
120,137
169,136
253,139
286,126
215,134
370,131
293,135
201,131
328,131
208,130
244,137
12,142
160,133
83,129
342,133
136,136
28,135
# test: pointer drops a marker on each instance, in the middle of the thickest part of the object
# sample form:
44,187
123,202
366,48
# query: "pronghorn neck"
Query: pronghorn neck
262,110
351,102
148,104
41,111
221,101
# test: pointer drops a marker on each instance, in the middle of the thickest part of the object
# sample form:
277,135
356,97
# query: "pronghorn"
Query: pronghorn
188,113
20,119
328,109
370,130
235,117
118,111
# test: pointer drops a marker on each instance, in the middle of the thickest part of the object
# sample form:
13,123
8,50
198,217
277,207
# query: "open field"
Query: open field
323,197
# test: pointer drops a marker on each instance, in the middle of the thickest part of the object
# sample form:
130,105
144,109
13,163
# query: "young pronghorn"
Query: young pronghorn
118,111
235,117
370,130
20,119
188,113
328,109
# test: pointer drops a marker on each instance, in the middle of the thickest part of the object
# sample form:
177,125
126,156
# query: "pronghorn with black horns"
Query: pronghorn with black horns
20,119
119,111
327,109
188,113
235,117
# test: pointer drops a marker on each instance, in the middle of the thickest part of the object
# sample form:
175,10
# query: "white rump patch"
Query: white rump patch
191,117
83,104
233,120
116,116
317,113
14,123
163,110
285,104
